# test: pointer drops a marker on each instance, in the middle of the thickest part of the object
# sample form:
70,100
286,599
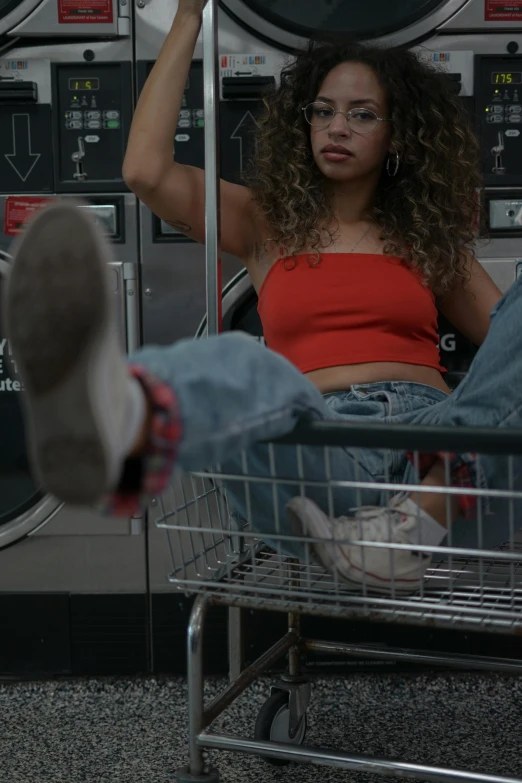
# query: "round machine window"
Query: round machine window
18,491
6,6
336,18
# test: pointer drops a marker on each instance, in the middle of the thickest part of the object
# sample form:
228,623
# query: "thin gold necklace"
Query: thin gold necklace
358,241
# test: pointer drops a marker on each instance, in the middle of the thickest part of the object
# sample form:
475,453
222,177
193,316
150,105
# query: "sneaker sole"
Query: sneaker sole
57,313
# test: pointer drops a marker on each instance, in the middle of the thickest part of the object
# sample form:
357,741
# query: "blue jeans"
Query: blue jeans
234,392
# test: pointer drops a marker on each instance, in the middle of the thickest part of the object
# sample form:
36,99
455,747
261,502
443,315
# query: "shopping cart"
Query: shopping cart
220,559
225,562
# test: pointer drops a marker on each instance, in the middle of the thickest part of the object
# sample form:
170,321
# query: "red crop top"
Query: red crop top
351,308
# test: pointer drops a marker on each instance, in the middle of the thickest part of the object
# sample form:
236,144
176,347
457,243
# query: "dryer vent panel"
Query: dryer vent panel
93,110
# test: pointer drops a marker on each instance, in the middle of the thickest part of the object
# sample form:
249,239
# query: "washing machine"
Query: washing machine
77,578
65,113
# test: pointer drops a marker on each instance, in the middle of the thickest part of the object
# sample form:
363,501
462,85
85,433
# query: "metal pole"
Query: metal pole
235,642
212,173
195,681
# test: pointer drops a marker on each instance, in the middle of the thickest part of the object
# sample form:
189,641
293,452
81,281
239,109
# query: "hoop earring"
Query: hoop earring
395,164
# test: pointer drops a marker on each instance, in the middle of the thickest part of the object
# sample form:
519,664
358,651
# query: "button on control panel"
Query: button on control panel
92,118
75,120
191,118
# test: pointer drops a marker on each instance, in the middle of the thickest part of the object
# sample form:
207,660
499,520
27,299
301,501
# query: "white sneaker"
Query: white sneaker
62,330
380,569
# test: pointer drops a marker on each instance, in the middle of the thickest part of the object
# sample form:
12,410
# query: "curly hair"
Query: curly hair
426,214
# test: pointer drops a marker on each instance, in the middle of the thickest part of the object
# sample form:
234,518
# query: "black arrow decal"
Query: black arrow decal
243,73
21,158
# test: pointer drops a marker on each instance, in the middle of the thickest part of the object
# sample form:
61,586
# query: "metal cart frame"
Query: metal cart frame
227,565
234,581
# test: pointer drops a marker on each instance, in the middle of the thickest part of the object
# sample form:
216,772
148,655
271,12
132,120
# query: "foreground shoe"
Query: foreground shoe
62,330
380,569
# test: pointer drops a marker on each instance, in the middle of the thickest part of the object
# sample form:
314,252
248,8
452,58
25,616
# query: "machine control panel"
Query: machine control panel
93,110
499,113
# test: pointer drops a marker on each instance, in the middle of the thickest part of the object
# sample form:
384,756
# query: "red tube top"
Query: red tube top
351,308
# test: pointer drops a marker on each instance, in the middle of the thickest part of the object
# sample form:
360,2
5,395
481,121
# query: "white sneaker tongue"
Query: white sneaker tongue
425,530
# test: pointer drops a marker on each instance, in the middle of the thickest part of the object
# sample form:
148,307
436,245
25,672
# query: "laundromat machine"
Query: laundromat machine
68,69
66,102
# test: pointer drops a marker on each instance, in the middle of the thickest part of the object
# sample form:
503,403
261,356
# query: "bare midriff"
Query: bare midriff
332,379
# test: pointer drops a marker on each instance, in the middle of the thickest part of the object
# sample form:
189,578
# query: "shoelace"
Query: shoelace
367,512
372,531
373,517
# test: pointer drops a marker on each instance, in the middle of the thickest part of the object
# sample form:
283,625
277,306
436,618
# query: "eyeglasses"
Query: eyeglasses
362,121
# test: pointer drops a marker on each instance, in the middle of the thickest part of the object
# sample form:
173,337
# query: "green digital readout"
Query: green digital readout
506,78
77,85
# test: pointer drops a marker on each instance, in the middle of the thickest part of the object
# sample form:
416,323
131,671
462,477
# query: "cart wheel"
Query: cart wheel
273,723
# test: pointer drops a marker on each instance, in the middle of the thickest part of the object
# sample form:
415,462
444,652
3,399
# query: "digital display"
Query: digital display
77,85
506,78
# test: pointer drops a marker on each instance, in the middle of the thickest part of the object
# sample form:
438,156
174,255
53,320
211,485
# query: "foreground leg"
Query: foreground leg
434,503
490,396
85,412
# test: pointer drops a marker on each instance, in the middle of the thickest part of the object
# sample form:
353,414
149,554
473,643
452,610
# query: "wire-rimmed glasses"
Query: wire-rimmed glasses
360,120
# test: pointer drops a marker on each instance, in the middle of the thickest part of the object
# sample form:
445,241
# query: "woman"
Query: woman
355,228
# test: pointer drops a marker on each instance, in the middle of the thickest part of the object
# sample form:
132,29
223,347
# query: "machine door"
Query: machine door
64,18
24,508
288,23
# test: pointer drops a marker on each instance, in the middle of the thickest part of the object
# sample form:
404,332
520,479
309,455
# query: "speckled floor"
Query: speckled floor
134,731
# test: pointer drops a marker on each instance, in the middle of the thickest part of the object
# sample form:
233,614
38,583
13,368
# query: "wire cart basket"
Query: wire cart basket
223,561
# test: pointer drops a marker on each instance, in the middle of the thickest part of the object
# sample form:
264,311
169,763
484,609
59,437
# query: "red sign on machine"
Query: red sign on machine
85,12
503,11
18,210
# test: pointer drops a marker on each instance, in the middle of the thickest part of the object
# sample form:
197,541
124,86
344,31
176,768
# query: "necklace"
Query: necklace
358,241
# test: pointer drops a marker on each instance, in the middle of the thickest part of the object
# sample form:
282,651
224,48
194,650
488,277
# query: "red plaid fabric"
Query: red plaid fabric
463,471
150,475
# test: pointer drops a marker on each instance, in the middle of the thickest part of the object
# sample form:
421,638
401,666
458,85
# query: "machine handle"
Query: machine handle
212,172
15,91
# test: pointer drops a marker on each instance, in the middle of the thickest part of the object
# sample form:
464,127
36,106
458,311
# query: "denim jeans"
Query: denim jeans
233,393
